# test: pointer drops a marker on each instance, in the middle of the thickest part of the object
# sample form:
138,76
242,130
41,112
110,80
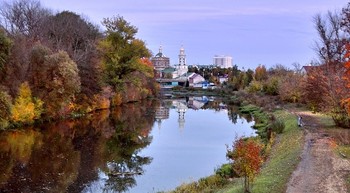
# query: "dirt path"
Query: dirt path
320,169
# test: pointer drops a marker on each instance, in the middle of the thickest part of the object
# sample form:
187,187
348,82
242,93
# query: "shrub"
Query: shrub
255,86
226,171
207,184
277,126
271,86
341,117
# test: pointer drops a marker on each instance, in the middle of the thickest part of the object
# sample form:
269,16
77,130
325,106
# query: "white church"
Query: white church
176,75
161,64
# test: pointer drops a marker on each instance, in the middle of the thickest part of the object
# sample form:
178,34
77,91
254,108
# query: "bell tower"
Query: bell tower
182,57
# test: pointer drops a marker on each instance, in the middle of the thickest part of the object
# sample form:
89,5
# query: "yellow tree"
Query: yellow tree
26,109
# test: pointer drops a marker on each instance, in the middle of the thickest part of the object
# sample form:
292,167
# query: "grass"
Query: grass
345,150
261,118
208,184
276,171
348,182
282,162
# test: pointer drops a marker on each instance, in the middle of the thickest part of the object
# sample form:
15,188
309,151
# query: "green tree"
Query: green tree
122,52
271,85
26,108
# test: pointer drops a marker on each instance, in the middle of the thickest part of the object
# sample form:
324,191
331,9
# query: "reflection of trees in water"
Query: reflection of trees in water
66,156
122,173
124,162
234,113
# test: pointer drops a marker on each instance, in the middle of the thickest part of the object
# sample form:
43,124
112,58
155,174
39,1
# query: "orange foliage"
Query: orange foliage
346,76
146,62
117,99
347,65
260,73
332,143
247,159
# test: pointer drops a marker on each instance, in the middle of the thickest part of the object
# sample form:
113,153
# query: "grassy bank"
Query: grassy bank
276,171
283,160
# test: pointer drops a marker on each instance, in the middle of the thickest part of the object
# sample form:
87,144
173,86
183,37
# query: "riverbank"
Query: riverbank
318,153
276,171
283,160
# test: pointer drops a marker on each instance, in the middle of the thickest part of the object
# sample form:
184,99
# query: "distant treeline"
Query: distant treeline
323,84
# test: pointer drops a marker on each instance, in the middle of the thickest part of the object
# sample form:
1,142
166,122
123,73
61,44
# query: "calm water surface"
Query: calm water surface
144,147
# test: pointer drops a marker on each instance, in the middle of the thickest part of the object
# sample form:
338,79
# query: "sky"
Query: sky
252,32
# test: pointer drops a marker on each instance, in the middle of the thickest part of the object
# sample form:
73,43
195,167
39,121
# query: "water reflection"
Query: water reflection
67,156
97,153
180,105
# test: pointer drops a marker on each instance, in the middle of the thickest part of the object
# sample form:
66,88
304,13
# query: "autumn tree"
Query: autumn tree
247,159
23,17
54,79
77,36
291,87
17,68
331,50
325,81
62,83
5,45
5,109
346,101
26,108
276,77
124,60
346,27
260,73
122,51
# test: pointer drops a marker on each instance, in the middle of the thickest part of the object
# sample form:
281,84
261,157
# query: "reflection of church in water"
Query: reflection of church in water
181,106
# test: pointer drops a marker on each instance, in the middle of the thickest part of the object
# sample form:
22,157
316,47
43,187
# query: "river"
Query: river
141,147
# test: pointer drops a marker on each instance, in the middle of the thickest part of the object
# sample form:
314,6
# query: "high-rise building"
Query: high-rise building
222,61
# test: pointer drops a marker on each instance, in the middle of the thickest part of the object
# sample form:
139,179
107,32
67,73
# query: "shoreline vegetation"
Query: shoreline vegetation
281,151
60,65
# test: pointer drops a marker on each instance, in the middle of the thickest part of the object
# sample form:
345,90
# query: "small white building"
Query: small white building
223,79
195,80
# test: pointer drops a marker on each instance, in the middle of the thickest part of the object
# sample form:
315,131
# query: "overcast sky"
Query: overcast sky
253,32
